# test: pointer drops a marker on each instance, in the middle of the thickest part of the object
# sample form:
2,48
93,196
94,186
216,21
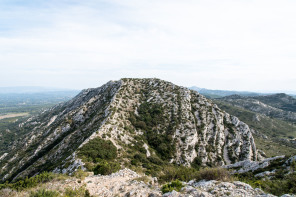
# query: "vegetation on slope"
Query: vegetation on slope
278,185
99,156
274,129
98,148
149,116
281,101
32,181
268,126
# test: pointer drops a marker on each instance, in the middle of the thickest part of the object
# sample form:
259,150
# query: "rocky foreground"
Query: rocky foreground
129,183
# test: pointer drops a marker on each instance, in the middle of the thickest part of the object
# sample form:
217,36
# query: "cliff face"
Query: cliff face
172,122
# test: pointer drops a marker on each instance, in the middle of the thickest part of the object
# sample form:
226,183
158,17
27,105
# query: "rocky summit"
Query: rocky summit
145,119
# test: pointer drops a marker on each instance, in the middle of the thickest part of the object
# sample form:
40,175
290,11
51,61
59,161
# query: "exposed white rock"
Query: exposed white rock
247,165
51,120
3,156
216,188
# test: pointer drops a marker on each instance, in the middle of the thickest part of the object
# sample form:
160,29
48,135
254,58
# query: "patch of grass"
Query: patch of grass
276,186
44,193
182,173
218,174
33,181
145,179
76,192
272,148
80,174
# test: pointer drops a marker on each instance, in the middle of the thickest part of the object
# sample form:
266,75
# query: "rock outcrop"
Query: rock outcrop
266,168
216,188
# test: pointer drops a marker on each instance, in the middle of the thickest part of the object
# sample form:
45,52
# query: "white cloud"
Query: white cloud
243,45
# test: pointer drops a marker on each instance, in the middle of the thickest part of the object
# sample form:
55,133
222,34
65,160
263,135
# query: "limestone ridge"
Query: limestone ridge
196,126
57,132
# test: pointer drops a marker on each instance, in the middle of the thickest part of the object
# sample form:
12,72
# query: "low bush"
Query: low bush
174,185
182,173
155,160
218,174
196,163
44,193
105,168
80,174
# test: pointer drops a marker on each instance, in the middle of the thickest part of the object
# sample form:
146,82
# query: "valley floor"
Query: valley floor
13,115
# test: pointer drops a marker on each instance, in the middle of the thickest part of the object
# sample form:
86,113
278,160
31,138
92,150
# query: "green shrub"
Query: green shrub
196,163
89,166
174,185
44,193
154,159
105,168
98,148
182,173
218,174
80,174
140,157
162,143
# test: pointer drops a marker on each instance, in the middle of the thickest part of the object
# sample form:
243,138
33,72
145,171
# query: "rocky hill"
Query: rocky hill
280,106
143,121
271,117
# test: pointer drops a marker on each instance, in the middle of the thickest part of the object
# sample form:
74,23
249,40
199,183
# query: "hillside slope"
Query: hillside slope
280,106
275,136
146,118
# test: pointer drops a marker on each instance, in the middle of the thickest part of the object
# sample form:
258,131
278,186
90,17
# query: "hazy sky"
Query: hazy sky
228,44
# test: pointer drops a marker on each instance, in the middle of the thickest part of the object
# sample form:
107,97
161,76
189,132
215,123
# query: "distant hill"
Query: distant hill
272,116
281,101
222,93
280,106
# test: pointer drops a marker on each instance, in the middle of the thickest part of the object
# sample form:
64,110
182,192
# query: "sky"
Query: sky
231,44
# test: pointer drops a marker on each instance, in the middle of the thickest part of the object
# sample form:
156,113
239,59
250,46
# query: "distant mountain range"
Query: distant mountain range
222,93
